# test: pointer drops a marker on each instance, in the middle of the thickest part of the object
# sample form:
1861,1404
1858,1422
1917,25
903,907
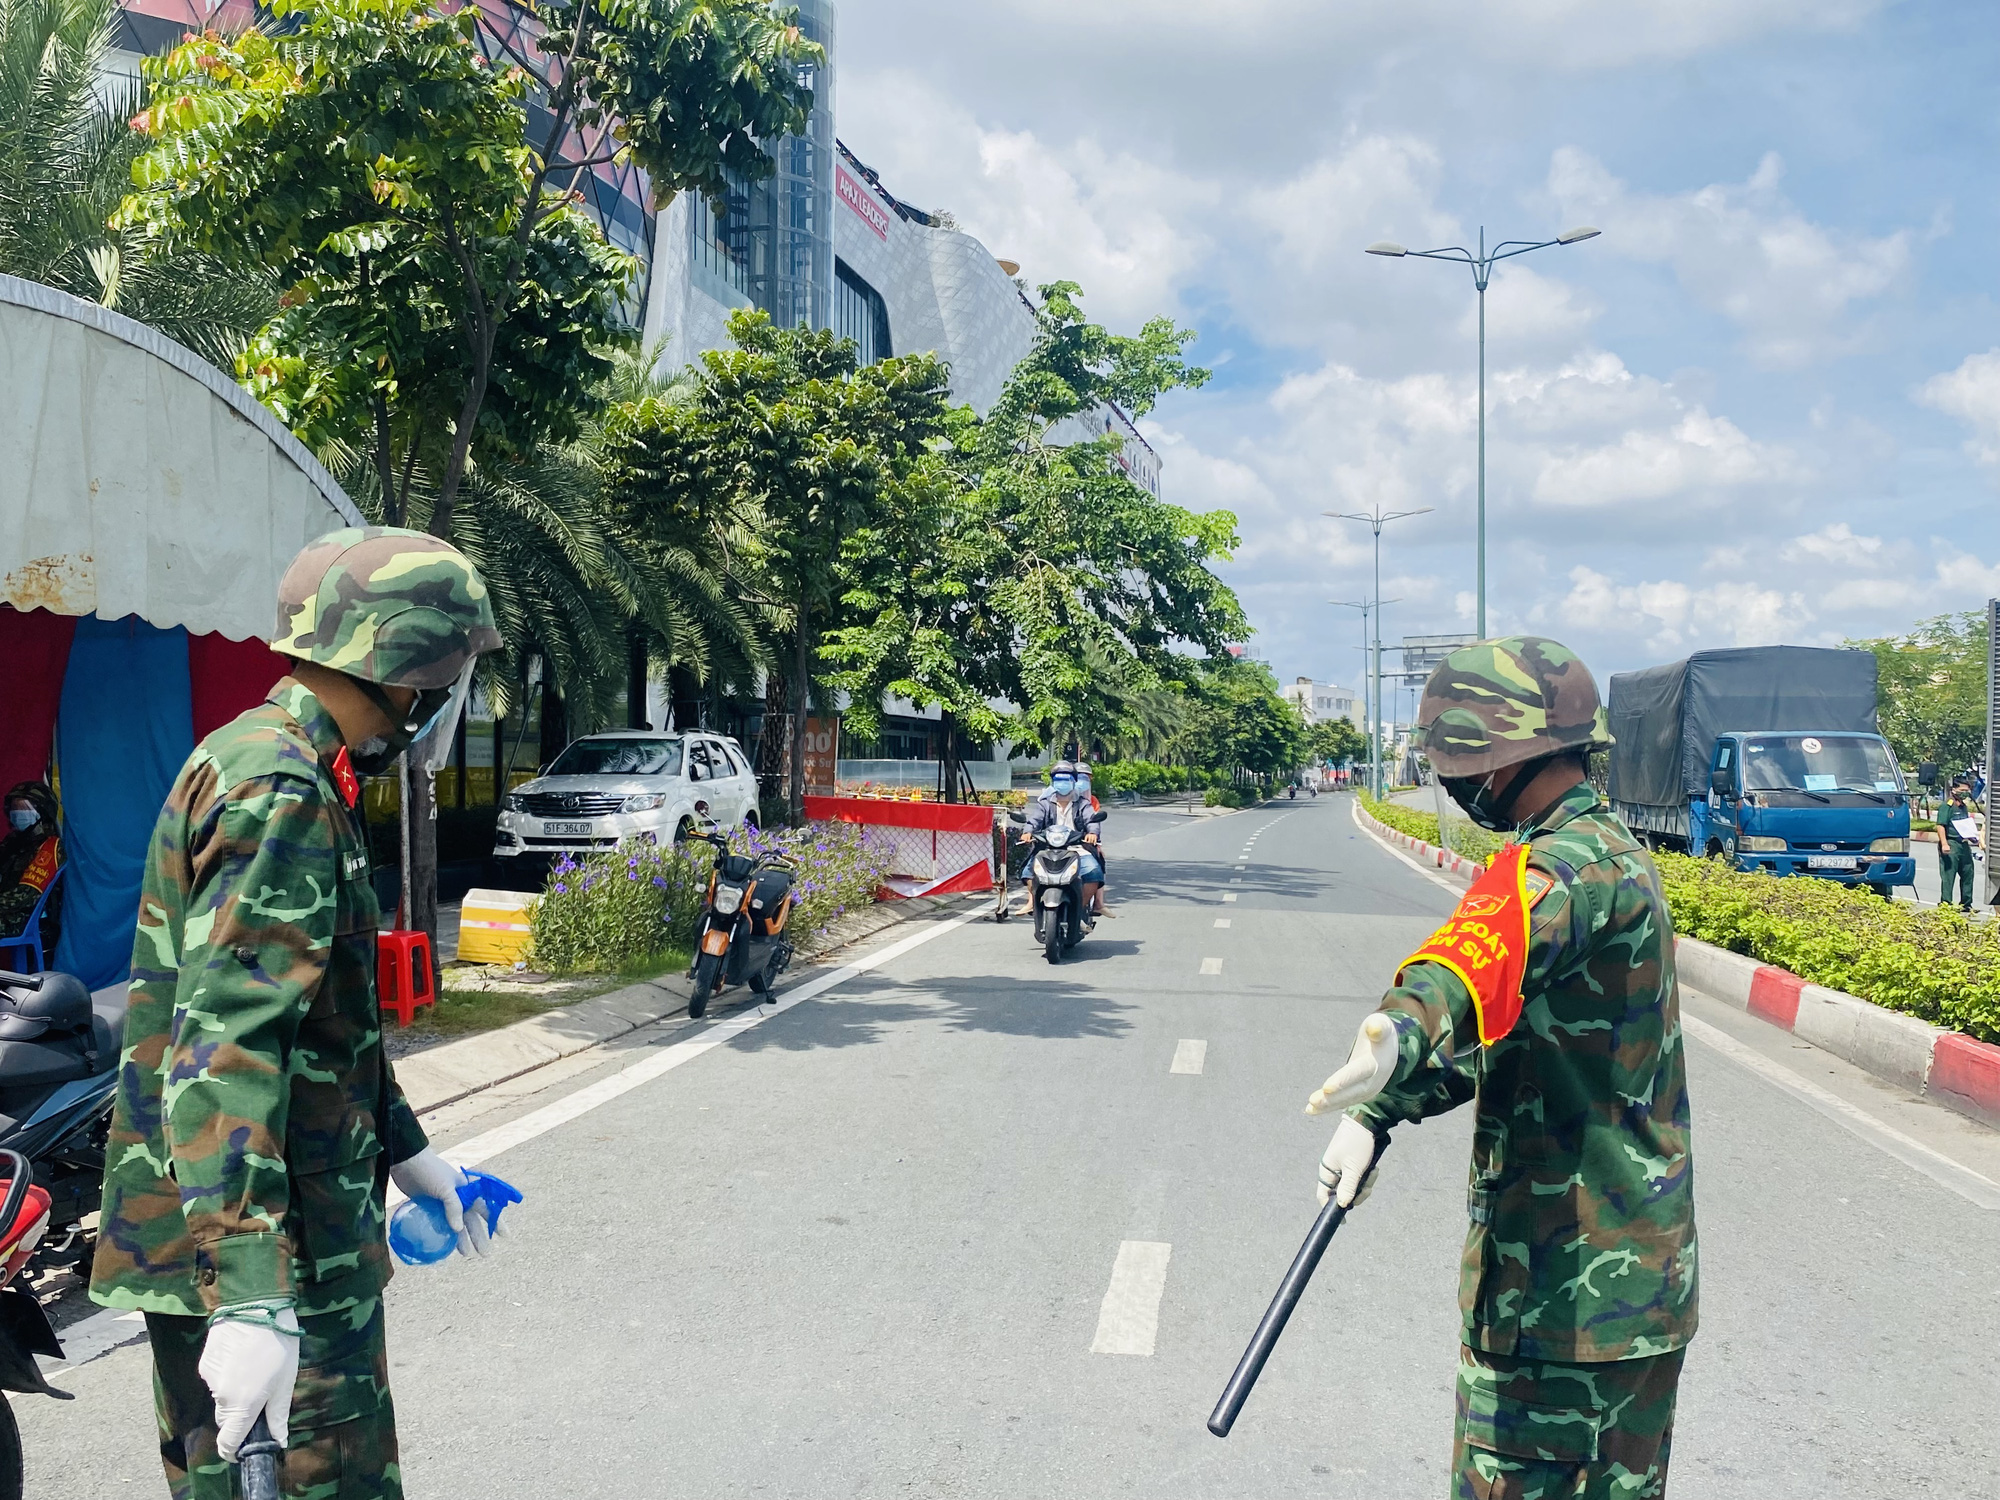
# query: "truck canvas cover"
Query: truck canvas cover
1665,720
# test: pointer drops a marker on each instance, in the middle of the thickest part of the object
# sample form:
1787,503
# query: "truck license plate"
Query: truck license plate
577,830
1832,862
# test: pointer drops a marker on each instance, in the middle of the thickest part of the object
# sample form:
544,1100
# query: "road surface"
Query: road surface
966,1224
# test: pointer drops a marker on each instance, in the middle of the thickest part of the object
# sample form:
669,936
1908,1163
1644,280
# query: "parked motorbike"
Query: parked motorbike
742,931
24,1327
1055,889
58,1067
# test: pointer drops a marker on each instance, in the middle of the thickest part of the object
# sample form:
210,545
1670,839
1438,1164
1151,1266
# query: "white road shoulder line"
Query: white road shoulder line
100,1334
1429,874
1970,1185
1128,1321
1211,966
1190,1056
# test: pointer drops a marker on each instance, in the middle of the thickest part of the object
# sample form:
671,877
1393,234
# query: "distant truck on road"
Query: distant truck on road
1768,757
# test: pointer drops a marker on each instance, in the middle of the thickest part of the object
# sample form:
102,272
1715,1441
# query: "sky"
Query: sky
1763,406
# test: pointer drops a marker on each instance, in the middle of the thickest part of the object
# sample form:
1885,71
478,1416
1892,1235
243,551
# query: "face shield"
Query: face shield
427,728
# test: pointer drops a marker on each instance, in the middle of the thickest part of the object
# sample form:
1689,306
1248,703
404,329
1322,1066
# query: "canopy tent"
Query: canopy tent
148,506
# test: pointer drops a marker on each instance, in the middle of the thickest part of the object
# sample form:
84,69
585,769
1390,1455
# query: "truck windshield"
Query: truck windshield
1806,763
620,757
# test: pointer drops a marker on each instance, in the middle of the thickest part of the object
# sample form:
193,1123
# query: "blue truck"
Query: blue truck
1768,757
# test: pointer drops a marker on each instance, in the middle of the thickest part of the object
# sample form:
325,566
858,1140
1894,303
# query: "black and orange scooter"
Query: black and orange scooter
741,935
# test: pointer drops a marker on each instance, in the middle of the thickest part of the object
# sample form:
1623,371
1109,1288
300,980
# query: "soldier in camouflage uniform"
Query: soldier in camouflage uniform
257,1124
1578,1279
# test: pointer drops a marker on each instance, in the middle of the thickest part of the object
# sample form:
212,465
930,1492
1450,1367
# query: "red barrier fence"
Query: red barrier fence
936,847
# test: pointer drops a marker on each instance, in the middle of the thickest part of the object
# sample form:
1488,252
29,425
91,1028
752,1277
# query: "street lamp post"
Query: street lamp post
1377,519
1482,272
1370,711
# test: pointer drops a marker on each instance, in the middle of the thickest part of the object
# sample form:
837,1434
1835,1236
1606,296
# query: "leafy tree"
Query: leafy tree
1336,740
804,456
1931,689
66,157
436,275
1042,574
1241,722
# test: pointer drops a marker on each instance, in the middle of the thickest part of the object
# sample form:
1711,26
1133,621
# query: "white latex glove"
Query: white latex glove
1345,1167
1366,1072
250,1368
428,1175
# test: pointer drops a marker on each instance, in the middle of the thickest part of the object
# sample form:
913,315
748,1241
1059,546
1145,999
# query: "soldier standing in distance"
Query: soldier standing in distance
257,1124
1550,1000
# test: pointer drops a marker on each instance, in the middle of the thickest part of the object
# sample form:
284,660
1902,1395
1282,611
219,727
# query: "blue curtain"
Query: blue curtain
125,727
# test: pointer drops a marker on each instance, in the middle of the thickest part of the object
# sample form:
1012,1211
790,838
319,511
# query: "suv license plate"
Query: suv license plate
567,830
1832,862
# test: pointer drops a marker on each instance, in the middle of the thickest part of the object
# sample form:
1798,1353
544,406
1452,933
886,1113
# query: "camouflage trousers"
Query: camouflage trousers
1535,1430
343,1425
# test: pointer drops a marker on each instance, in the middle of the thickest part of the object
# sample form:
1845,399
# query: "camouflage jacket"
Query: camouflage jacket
256,1116
1582,1244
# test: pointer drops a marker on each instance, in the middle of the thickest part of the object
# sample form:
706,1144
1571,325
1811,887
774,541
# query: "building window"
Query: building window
722,242
859,313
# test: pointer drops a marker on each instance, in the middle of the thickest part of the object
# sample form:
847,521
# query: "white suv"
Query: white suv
607,787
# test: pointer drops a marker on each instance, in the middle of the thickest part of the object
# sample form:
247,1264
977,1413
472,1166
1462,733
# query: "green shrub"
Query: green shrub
641,901
1929,962
1228,796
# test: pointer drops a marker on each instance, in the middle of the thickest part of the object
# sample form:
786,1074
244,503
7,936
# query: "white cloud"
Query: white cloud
1672,616
1971,393
1742,250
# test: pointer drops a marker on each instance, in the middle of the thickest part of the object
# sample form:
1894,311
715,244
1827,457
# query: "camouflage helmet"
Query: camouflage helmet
385,605
1498,703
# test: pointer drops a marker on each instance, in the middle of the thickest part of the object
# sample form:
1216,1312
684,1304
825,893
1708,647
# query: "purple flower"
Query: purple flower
659,882
561,889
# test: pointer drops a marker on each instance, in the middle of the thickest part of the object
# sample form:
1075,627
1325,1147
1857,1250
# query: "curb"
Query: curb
1954,1070
451,1071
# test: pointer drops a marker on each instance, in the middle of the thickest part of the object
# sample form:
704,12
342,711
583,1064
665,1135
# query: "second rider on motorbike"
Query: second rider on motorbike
1064,805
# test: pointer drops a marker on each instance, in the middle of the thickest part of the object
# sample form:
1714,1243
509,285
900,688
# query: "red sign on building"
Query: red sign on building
857,196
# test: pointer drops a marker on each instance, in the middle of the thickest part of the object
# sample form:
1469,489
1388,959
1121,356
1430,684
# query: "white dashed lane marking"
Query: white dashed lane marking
1229,895
1211,966
1189,1056
1128,1322
1222,921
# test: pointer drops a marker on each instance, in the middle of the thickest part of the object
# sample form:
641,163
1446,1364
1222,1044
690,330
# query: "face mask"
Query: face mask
433,713
23,818
1083,786
1063,786
1475,795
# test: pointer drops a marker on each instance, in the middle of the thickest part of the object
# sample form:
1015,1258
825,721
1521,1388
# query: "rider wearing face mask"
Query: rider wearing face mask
1068,803
244,1207
30,855
1549,1001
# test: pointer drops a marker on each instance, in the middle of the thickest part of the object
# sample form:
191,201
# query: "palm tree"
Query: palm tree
66,153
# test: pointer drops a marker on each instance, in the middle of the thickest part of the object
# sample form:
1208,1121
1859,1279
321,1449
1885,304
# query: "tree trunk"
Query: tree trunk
423,899
948,754
773,747
638,670
801,696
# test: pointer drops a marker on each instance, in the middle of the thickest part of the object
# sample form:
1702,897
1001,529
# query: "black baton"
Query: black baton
1279,1313
260,1457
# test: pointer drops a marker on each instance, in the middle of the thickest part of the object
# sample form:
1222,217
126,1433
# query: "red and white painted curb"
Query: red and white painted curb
1955,1070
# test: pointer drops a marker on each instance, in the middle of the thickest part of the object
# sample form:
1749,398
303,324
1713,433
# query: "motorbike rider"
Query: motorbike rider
1062,806
1550,1000
243,1207
30,855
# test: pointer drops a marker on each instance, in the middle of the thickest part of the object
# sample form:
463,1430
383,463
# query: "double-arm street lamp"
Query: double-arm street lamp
1482,272
1368,715
1377,518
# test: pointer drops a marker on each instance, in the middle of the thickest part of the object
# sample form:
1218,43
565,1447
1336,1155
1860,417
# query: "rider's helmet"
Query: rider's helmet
389,608
1502,702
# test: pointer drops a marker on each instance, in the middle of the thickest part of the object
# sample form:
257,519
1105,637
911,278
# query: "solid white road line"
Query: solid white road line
1911,1152
1211,966
1429,874
1222,921
1190,1055
99,1335
1128,1322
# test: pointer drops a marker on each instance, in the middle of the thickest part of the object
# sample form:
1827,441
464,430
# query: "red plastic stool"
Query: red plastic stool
403,973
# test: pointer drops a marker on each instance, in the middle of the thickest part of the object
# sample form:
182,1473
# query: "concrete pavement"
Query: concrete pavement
867,1246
